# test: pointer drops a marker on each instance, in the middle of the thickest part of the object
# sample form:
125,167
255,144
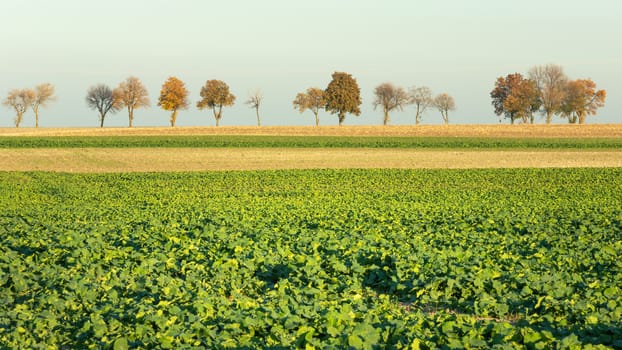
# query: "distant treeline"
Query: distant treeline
546,90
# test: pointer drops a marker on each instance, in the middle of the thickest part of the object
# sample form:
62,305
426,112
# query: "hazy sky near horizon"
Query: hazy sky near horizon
283,47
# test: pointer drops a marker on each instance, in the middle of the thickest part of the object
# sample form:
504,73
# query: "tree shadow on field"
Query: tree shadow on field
380,274
272,274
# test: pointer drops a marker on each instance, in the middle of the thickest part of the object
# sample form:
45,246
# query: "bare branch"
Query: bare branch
20,100
101,98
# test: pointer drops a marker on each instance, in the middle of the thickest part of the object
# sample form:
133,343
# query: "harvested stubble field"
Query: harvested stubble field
105,160
256,148
530,131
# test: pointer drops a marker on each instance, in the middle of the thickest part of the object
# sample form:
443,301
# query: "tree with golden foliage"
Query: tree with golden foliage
102,98
173,97
421,97
551,82
215,95
44,93
254,101
343,95
313,100
582,99
20,100
389,97
131,94
444,103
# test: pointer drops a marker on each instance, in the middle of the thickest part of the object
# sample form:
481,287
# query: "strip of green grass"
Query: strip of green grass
242,141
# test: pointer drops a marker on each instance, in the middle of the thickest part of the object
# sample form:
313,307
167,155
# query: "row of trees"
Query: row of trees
387,96
131,94
546,90
341,97
23,99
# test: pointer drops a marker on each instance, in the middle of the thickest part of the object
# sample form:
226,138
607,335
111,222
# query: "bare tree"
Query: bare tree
389,97
44,93
131,94
421,97
551,82
444,103
101,98
313,99
20,100
254,101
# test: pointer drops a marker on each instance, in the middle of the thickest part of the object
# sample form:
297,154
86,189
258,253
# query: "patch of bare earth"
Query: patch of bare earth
203,159
537,130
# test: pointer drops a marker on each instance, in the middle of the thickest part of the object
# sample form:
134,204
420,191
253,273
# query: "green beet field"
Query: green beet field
317,259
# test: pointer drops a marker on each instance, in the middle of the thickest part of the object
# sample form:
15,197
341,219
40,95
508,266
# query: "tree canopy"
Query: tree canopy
515,97
389,97
43,94
132,94
551,83
173,97
20,100
444,103
582,99
549,89
313,99
343,95
215,95
421,97
101,98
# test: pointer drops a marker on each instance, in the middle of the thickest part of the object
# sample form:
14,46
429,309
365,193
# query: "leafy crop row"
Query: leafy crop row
312,259
217,141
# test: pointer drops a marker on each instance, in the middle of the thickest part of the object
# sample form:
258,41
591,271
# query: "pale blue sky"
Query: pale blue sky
284,46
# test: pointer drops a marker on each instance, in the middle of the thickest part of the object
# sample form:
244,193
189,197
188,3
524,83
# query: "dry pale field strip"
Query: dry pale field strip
192,159
497,130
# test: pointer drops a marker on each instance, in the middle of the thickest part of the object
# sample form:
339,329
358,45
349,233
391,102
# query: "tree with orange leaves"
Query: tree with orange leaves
173,97
582,99
516,97
215,95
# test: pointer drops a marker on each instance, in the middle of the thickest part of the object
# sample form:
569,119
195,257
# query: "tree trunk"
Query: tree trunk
173,118
18,119
130,112
385,121
101,120
582,118
549,117
258,119
317,119
218,115
417,116
36,118
342,117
